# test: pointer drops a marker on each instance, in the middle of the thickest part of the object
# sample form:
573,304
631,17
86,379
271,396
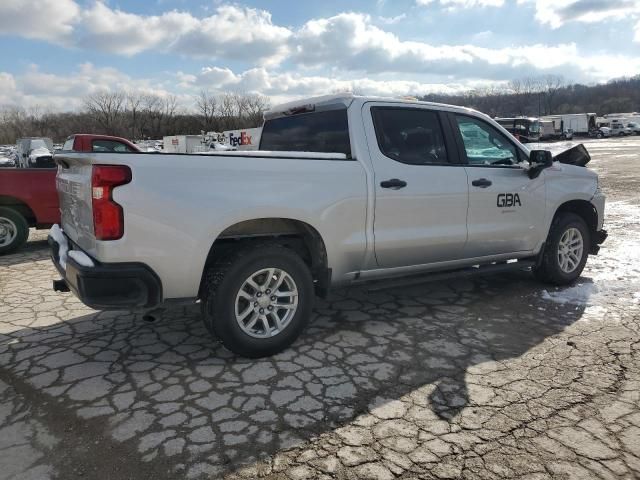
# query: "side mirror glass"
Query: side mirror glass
538,161
540,158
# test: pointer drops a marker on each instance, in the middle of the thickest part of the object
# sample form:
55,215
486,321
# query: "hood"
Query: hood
577,155
39,152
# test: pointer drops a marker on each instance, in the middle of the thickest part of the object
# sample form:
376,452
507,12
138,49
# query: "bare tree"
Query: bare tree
207,106
107,109
134,101
550,86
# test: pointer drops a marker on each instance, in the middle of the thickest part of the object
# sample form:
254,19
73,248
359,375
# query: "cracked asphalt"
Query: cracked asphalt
491,378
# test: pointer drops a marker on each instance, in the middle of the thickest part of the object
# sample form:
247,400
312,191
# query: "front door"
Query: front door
506,207
421,191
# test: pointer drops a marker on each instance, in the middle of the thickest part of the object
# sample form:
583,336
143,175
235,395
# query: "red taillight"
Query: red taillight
108,219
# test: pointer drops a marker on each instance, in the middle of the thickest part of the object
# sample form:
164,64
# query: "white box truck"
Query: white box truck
183,144
576,123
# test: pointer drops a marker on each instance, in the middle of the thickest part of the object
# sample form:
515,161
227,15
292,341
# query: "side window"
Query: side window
484,144
109,146
324,132
410,135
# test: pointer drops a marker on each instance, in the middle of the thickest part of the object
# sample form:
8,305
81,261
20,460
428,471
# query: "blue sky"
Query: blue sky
57,51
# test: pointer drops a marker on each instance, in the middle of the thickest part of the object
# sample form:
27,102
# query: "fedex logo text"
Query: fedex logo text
243,139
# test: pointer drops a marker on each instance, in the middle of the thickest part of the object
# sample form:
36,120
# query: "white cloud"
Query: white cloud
50,20
351,42
230,30
392,20
67,92
556,13
463,3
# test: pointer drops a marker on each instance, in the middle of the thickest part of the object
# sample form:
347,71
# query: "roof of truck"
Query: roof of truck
334,100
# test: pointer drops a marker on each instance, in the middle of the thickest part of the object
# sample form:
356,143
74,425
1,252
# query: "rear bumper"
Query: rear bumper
109,286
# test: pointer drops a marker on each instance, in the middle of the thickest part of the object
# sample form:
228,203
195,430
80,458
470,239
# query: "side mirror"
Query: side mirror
538,161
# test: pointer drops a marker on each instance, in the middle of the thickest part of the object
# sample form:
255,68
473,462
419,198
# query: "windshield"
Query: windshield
534,127
38,143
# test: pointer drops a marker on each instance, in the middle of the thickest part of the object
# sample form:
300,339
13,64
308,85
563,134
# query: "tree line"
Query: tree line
142,116
135,116
547,95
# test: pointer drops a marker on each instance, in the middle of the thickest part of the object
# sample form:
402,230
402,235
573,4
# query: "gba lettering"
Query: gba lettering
243,139
508,200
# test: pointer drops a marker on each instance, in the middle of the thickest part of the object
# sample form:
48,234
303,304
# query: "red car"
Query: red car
28,196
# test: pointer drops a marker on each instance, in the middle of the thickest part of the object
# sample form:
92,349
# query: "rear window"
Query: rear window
68,145
326,132
109,146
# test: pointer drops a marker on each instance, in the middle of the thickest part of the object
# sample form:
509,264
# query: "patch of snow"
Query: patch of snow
58,235
577,295
81,258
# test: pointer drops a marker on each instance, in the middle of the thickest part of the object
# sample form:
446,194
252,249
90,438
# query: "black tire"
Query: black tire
599,135
10,218
549,270
224,279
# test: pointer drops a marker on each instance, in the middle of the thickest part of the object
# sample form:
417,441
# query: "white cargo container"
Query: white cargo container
247,139
183,144
578,123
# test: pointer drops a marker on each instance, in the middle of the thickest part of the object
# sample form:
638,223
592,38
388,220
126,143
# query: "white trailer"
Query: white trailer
183,144
578,123
247,139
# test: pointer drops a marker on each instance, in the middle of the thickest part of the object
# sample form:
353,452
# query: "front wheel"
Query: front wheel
259,300
566,250
14,230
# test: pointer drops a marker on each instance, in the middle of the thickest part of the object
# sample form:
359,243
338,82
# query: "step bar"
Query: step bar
490,269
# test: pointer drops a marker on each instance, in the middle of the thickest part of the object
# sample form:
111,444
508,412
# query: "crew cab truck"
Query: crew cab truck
344,189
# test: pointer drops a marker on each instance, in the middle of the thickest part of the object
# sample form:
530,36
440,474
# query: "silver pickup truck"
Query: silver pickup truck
344,189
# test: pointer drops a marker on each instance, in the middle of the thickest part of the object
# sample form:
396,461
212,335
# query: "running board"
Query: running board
489,269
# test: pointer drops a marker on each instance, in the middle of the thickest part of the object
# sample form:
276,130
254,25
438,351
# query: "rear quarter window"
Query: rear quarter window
326,132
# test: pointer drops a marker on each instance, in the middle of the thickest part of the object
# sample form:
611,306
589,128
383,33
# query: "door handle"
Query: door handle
394,183
482,183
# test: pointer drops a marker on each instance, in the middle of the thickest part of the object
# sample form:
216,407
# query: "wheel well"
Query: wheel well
584,209
20,207
294,234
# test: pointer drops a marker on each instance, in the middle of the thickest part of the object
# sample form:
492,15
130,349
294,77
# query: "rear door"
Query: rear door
506,207
421,191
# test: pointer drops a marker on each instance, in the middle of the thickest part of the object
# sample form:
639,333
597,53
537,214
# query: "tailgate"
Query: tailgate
74,190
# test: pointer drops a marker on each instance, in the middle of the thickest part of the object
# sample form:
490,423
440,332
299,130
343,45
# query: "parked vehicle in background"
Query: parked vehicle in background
547,130
36,152
247,139
602,132
619,130
28,198
89,142
634,127
345,189
579,123
524,129
8,157
184,144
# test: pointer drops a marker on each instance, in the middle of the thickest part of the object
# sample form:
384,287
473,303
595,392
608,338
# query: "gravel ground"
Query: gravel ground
498,377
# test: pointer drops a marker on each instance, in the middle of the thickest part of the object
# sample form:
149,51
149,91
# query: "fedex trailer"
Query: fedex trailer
247,139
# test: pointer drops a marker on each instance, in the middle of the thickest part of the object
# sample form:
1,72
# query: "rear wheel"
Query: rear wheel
566,250
258,301
14,230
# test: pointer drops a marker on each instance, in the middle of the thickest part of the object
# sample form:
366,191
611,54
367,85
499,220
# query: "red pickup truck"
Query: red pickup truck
28,196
